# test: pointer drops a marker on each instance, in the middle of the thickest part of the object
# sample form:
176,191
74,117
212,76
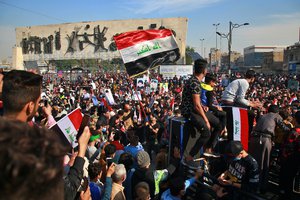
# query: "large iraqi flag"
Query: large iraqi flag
67,127
144,49
238,125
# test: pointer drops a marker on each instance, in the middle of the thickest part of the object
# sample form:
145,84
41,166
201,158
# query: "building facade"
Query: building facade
273,61
235,59
86,40
215,59
292,57
254,55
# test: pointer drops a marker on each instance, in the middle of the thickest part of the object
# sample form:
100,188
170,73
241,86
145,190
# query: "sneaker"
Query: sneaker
191,164
210,154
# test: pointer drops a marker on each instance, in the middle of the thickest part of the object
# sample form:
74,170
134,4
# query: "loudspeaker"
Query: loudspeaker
180,128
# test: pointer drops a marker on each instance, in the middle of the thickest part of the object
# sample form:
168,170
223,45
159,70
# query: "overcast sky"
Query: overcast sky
272,22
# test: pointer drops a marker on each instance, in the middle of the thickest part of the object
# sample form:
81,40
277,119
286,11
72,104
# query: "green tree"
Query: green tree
66,64
188,58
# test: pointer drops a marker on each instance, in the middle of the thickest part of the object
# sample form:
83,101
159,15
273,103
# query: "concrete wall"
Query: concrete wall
17,62
88,40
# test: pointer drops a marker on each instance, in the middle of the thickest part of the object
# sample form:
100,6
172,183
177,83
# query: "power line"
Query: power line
32,11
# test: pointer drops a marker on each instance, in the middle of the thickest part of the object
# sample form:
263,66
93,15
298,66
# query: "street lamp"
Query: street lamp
228,36
202,47
216,58
216,25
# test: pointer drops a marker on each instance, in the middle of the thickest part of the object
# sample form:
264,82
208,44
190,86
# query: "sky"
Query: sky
271,22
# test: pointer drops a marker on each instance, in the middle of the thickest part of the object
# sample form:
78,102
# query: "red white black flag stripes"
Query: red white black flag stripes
68,127
144,49
238,125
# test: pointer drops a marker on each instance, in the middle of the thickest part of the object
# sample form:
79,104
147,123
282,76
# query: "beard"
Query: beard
32,114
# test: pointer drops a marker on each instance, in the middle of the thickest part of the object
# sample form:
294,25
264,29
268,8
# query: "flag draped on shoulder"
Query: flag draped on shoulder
144,49
67,127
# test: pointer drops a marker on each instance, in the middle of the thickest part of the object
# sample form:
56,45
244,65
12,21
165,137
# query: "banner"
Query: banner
163,87
153,85
144,49
136,95
109,97
140,83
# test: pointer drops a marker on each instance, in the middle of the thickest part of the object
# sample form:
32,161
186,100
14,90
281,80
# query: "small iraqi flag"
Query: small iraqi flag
68,126
237,125
144,49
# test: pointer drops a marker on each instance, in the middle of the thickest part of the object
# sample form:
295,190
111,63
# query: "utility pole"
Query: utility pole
229,47
228,36
202,47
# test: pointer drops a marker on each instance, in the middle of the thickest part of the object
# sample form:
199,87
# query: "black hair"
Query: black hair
117,135
273,109
121,112
250,74
127,160
19,88
26,168
94,170
200,66
234,148
109,150
210,77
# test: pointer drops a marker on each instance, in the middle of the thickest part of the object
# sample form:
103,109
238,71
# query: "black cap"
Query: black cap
234,148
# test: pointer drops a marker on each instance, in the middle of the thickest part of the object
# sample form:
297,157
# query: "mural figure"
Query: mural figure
24,45
99,38
57,41
48,47
37,44
72,42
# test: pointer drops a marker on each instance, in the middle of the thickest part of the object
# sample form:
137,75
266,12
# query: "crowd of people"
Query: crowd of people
123,152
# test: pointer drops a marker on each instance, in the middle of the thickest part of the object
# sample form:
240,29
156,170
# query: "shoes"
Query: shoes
211,154
191,164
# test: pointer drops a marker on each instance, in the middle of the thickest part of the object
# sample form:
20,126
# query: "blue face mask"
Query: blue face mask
104,130
236,159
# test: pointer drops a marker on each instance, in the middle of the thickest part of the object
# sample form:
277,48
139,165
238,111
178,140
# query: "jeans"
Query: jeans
198,137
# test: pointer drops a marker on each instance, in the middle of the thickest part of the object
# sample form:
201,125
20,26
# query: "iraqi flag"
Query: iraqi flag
144,49
237,125
68,126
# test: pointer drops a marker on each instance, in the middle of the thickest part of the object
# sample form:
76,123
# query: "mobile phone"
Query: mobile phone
85,184
85,122
109,162
45,103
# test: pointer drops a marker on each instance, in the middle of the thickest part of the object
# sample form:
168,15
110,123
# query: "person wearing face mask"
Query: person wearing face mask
242,173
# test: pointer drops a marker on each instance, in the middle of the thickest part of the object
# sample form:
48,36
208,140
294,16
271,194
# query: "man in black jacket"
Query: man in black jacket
73,180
